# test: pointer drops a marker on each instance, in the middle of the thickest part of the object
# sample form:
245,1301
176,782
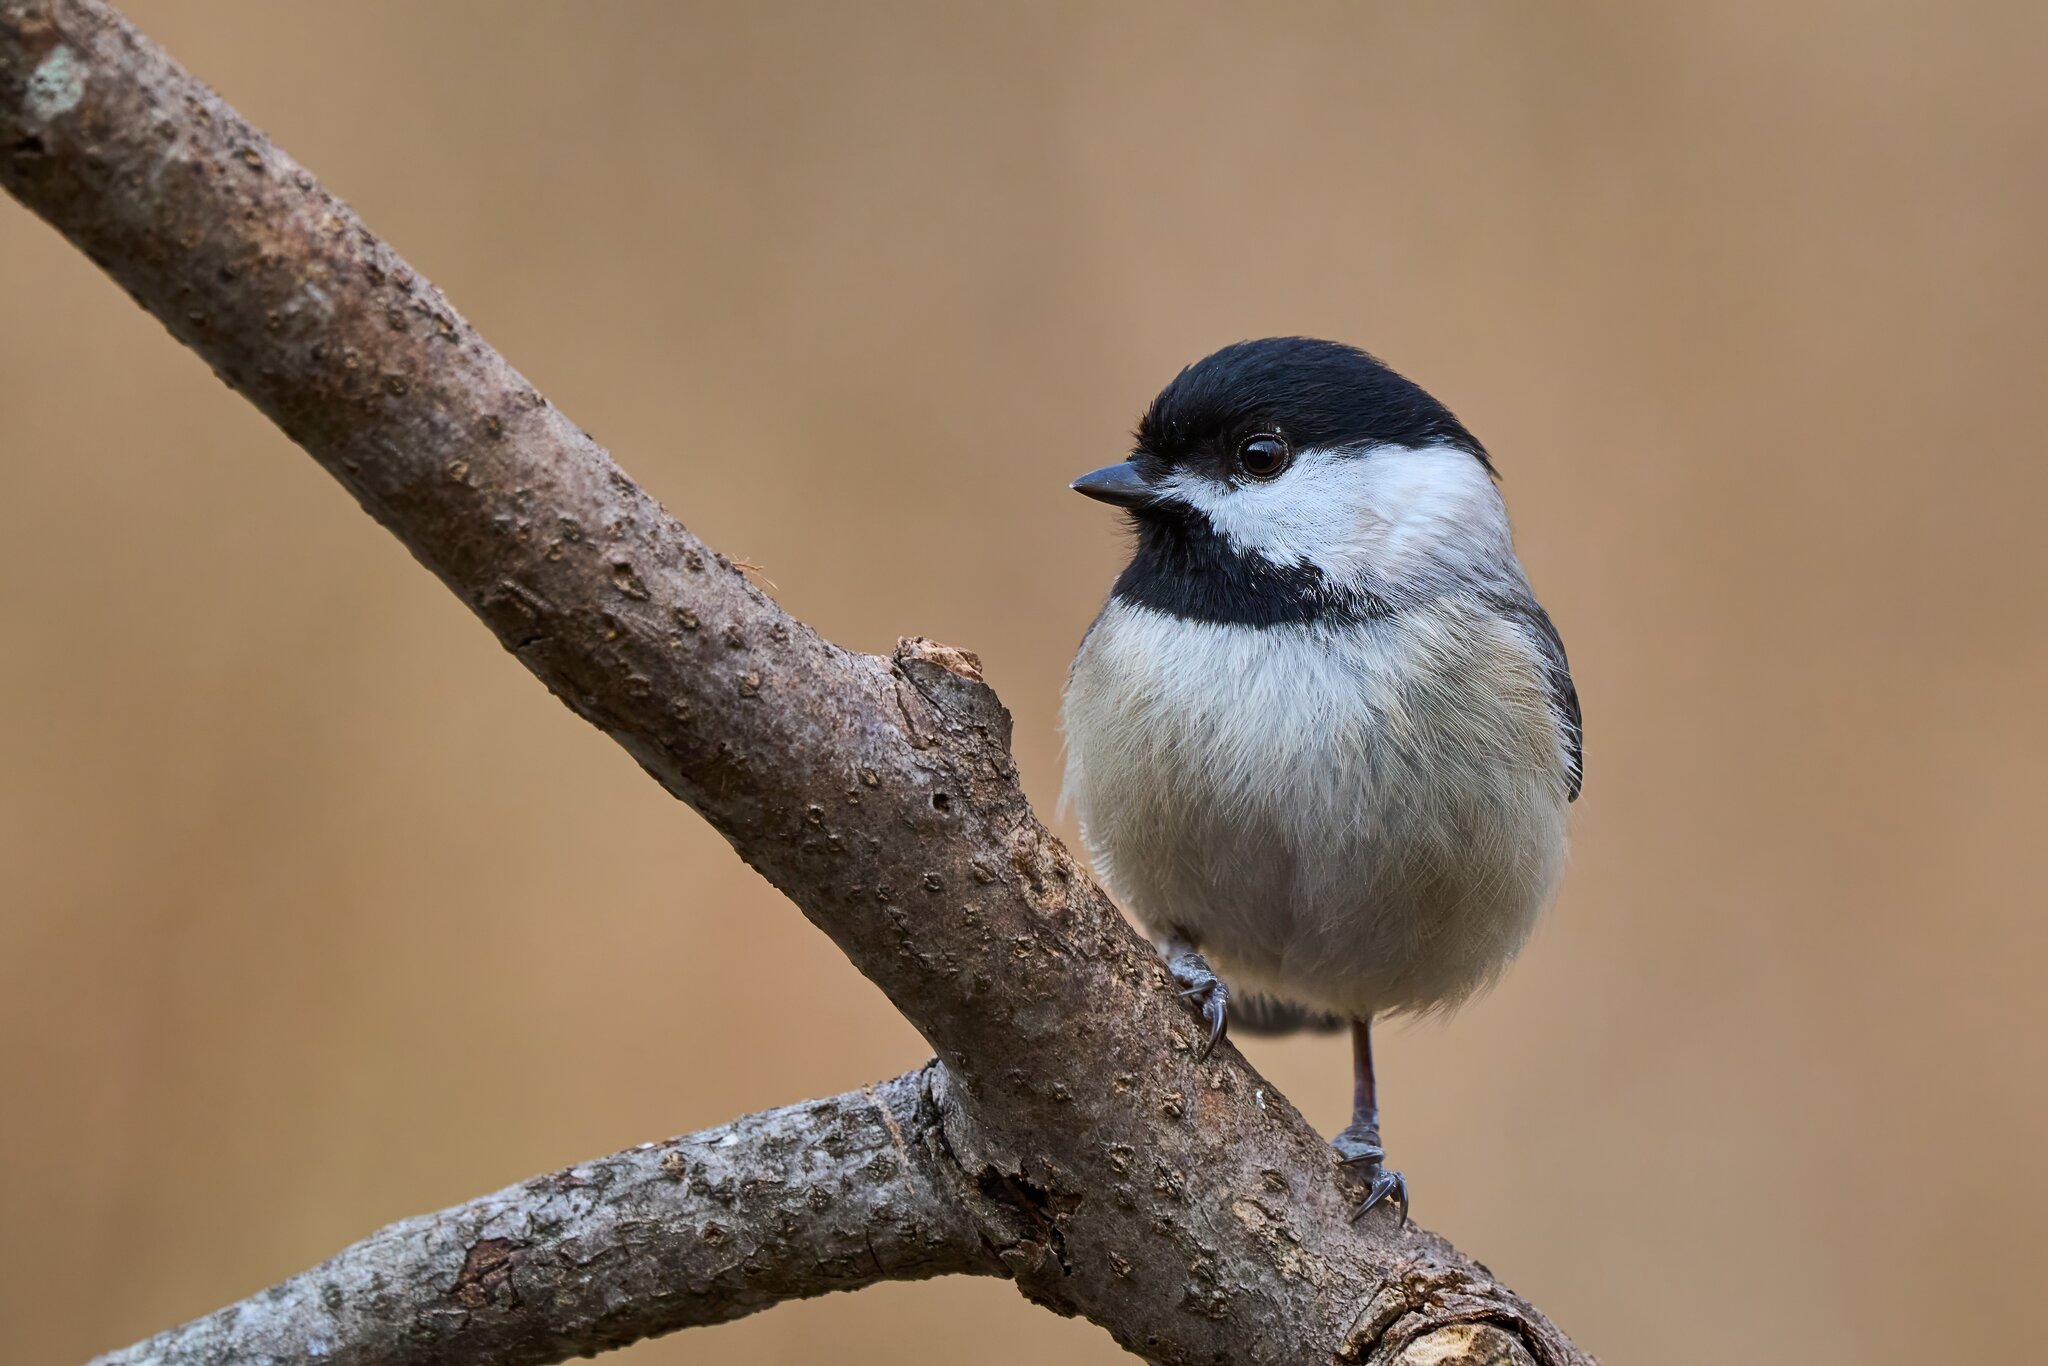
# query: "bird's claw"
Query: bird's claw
1206,989
1363,1153
1384,1184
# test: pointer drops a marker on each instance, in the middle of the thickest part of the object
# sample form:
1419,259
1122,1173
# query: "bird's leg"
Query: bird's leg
1200,985
1358,1146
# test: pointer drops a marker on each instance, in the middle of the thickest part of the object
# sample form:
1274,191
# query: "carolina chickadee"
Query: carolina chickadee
1322,732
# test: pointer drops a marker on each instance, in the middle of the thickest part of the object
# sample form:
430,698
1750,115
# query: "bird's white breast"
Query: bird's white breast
1358,817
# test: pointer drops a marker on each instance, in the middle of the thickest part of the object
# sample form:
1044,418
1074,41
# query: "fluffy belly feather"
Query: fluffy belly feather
1359,819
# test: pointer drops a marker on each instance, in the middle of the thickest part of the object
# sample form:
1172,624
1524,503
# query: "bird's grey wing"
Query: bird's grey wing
1564,694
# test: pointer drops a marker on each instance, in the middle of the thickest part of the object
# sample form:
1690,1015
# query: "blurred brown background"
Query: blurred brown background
320,912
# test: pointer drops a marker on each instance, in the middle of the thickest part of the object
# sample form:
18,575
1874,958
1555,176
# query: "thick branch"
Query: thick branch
828,1195
1187,1208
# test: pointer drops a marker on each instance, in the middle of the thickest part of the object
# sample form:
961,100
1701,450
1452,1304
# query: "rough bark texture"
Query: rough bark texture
828,1195
1185,1207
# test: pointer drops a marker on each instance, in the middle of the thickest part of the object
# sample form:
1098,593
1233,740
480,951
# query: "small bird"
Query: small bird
1322,736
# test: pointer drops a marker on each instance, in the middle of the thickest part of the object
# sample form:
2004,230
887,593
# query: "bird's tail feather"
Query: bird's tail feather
1264,1015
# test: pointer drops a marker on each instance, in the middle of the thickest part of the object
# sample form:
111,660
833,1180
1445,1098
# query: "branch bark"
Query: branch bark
827,1195
1186,1208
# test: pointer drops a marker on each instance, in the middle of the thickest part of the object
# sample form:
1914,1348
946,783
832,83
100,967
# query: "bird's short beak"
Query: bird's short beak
1118,484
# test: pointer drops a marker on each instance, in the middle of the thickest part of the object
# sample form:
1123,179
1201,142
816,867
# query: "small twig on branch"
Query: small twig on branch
828,1195
1185,1207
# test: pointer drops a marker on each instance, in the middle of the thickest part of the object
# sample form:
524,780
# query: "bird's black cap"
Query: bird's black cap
1314,393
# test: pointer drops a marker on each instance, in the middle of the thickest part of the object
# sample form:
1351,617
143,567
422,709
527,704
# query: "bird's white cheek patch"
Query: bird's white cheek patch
1432,506
1383,511
1306,516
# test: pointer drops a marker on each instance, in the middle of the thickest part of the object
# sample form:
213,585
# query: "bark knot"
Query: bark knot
1430,1311
486,1275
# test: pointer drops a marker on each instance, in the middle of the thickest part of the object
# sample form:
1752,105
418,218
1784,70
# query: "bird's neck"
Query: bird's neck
1186,568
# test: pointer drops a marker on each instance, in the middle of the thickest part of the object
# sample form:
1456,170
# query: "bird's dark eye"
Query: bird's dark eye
1263,456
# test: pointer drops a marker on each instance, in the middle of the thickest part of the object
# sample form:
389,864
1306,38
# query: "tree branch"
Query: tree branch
828,1195
1187,1208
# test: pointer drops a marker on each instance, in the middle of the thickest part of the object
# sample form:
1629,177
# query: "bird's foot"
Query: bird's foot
1359,1152
1205,989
